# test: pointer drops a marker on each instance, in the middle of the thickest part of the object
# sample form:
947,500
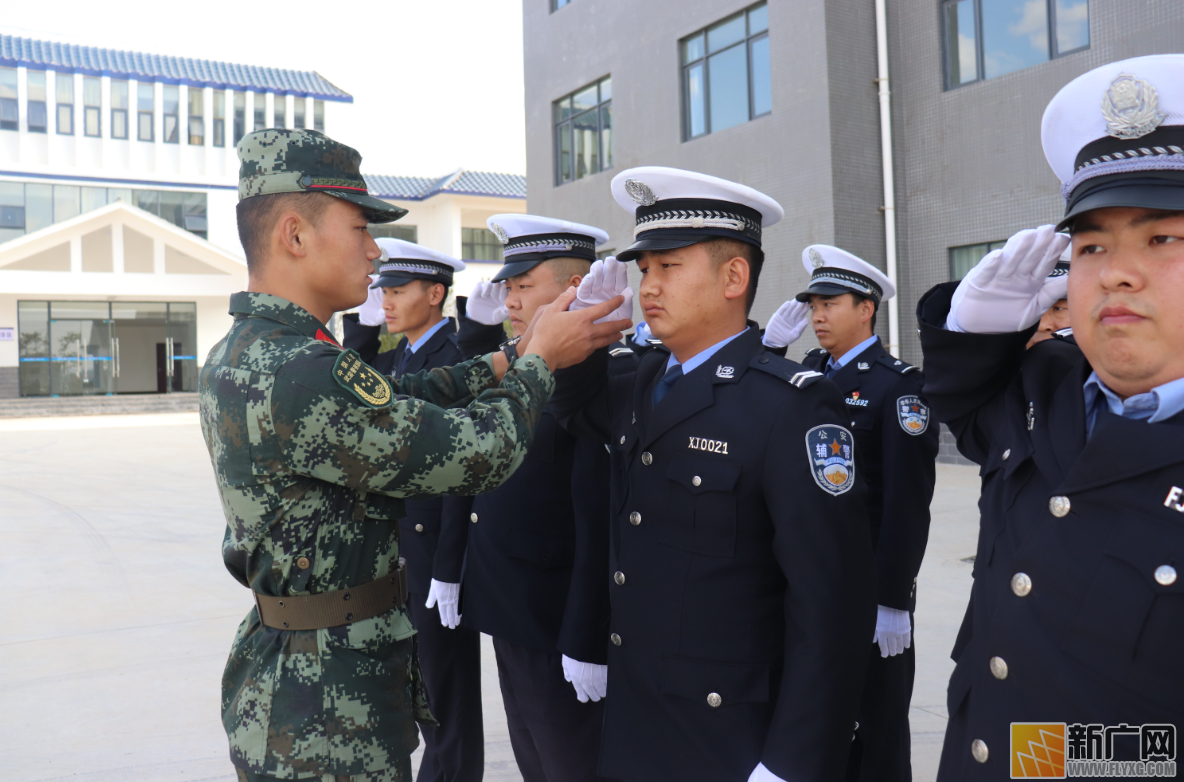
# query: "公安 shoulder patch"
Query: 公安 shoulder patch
830,450
360,379
913,414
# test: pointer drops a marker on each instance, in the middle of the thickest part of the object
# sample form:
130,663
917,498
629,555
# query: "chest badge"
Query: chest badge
725,372
830,450
855,401
913,414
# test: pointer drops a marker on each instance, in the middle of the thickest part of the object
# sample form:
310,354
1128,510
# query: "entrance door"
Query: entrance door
141,332
82,356
182,347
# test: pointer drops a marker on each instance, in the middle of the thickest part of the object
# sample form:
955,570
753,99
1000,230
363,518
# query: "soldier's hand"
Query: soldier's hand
564,339
1010,289
787,324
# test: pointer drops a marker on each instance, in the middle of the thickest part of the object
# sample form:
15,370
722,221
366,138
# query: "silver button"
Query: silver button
696,481
419,528
616,639
1059,506
1165,574
1007,454
622,439
999,667
530,363
714,701
619,577
473,517
634,518
1021,584
647,458
978,748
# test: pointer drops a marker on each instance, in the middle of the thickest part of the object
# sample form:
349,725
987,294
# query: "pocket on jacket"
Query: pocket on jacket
543,551
700,509
715,685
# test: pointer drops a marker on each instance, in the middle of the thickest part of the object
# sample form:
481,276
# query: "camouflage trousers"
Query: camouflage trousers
401,772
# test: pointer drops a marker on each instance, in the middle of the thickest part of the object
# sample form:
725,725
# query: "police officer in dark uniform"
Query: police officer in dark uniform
1076,618
896,451
742,576
408,297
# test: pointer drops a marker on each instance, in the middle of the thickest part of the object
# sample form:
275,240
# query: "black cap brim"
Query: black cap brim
634,251
1167,196
514,268
824,289
376,210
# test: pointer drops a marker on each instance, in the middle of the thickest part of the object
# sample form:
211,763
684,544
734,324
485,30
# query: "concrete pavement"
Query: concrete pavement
119,615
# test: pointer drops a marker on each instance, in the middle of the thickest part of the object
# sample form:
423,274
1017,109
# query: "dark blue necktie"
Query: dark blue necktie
666,383
403,362
832,369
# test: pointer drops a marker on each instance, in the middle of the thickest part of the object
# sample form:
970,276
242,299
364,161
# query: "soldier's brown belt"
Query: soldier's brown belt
331,609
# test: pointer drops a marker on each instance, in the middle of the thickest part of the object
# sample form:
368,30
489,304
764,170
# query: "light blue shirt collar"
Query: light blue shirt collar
1158,404
850,354
413,346
700,358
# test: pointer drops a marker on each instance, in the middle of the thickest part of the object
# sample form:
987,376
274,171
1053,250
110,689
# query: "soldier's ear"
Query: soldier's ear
291,234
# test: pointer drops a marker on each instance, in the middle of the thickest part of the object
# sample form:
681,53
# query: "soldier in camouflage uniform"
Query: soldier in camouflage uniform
314,454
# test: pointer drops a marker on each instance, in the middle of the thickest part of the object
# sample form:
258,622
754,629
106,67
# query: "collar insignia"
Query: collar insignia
726,372
864,366
1131,107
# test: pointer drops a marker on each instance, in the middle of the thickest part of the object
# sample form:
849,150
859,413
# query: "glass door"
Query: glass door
182,347
141,332
81,348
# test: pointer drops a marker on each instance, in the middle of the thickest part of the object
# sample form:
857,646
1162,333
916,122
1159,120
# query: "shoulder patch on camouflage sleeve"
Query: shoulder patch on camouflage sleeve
360,379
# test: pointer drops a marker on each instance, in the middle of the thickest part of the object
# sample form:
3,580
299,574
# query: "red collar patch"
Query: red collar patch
325,336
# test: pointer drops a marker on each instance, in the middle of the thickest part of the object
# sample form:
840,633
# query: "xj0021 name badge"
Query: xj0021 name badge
831,451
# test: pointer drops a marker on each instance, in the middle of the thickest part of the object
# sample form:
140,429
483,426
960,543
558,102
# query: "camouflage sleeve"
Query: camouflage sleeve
449,386
331,417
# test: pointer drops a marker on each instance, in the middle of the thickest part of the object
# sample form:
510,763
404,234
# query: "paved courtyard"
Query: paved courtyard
119,614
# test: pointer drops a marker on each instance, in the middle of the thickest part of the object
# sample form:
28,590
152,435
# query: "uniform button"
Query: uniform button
978,748
714,701
1165,574
999,667
1021,584
1059,506
303,563
349,617
619,577
696,481
622,439
473,517
647,458
419,528
530,363
634,518
616,639
1007,454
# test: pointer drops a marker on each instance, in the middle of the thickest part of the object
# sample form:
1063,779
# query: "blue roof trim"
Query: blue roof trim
119,64
459,182
103,180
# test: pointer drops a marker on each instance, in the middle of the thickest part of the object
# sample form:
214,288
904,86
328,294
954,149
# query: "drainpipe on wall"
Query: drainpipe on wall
889,207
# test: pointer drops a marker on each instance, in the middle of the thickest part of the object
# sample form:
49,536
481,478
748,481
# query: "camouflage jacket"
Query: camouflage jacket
314,454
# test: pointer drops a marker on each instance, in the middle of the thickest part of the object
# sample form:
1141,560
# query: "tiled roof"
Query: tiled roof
89,60
462,182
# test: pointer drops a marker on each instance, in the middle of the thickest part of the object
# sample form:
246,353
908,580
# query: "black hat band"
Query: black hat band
416,266
1160,150
550,246
699,215
844,278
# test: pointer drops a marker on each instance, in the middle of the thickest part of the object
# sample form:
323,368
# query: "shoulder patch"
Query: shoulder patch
830,451
816,352
1066,334
789,371
615,352
360,379
913,414
895,364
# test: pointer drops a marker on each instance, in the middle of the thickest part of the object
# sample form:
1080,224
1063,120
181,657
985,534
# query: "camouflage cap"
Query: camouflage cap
278,160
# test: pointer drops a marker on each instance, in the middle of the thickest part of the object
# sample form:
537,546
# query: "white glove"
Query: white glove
606,279
762,774
487,303
642,333
1009,289
787,324
894,633
371,312
589,679
447,595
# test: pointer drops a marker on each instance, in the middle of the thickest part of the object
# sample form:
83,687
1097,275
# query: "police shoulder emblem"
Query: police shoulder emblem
830,449
640,192
360,379
500,233
1131,107
912,414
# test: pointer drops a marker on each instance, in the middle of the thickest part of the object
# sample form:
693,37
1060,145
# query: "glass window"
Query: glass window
148,200
298,106
583,132
557,4
279,112
240,116
93,198
479,244
12,210
33,347
64,94
145,107
66,202
38,207
260,106
118,109
726,74
197,116
193,211
171,113
120,194
9,107
318,115
38,118
963,259
989,38
171,207
92,102
219,118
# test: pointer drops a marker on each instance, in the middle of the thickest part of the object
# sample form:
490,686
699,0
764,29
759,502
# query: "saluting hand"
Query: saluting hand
1010,289
787,324
371,312
605,280
487,303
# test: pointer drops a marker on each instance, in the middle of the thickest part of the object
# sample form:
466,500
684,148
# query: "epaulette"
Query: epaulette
655,343
1065,334
895,364
816,352
617,352
789,371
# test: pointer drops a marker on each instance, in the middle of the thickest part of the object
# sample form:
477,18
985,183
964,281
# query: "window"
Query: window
92,103
65,103
298,106
279,112
12,210
988,38
260,106
963,259
240,116
219,118
171,113
37,114
318,115
146,107
118,109
557,4
9,108
479,244
584,132
197,116
725,73
408,233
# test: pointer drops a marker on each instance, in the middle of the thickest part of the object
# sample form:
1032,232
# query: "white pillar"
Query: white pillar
76,255
158,256
117,247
